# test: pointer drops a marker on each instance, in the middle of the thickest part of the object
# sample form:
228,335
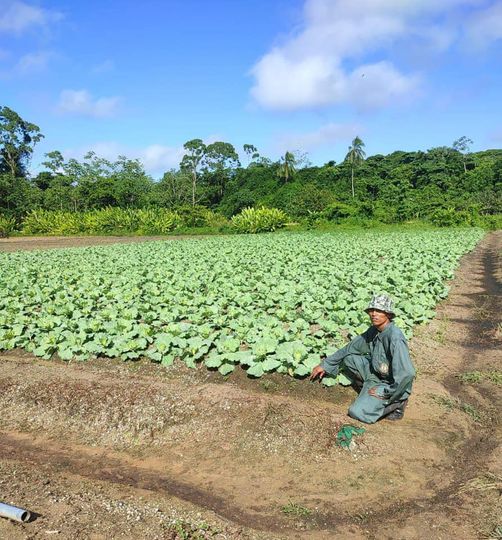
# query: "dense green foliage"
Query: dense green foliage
105,221
119,221
139,221
393,188
252,220
17,139
268,303
7,226
446,185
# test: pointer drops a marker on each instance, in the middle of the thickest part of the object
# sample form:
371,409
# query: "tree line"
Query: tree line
390,188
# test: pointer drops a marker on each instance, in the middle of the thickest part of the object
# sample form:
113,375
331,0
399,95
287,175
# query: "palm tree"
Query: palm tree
287,168
355,156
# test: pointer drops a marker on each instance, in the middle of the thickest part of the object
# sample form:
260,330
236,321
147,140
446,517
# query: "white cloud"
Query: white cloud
326,61
33,62
82,103
329,134
17,17
156,158
292,83
28,64
484,27
378,85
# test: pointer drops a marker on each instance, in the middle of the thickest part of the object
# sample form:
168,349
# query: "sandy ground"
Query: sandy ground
50,242
107,449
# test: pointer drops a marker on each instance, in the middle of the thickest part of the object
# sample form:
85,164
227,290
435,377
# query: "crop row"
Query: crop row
268,303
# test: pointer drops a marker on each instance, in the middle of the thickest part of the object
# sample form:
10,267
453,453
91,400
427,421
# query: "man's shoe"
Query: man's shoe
357,382
397,414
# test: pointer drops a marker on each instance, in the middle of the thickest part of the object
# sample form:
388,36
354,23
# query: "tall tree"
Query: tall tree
463,145
17,139
355,156
287,168
251,151
220,160
57,187
192,161
131,185
55,162
174,189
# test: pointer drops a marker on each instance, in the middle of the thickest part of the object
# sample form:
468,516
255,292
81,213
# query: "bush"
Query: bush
193,216
299,200
109,220
235,203
199,216
157,221
450,217
105,221
253,220
492,222
50,222
386,212
216,220
338,210
313,220
7,226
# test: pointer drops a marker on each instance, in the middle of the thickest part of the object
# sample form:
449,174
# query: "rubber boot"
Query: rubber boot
396,413
357,382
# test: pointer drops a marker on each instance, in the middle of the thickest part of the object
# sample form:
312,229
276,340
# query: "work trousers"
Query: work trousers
367,408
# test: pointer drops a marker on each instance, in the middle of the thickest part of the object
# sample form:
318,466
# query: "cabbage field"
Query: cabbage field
267,303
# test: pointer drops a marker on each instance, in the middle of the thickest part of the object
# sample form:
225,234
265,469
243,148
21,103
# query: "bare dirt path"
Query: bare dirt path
113,450
18,243
469,331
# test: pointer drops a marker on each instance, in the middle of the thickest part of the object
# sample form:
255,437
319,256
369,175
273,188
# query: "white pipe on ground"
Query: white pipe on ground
15,513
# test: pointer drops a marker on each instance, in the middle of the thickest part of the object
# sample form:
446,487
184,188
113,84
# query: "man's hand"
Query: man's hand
373,392
317,372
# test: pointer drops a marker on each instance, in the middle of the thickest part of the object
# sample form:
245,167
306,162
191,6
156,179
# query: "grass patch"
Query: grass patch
446,402
498,331
442,331
471,377
268,385
183,530
471,411
485,482
495,377
294,509
474,377
451,404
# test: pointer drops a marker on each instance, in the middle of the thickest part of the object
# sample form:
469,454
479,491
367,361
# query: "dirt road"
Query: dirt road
105,449
51,242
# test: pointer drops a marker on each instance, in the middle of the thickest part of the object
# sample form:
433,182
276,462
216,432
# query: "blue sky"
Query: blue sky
142,78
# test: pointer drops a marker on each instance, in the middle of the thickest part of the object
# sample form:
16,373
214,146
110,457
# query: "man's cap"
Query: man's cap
381,302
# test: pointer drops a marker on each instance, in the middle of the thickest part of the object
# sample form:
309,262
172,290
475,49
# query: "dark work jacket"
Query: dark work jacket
389,358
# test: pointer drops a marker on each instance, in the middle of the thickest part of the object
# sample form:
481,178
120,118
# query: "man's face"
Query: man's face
378,318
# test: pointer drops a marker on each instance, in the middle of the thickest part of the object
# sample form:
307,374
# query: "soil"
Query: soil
107,449
49,242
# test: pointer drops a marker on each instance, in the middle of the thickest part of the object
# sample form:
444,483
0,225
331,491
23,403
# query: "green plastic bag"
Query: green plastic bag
345,434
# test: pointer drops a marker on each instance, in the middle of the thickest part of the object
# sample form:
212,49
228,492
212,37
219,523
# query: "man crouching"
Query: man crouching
378,361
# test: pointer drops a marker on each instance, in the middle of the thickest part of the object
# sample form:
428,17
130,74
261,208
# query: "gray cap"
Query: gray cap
381,302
